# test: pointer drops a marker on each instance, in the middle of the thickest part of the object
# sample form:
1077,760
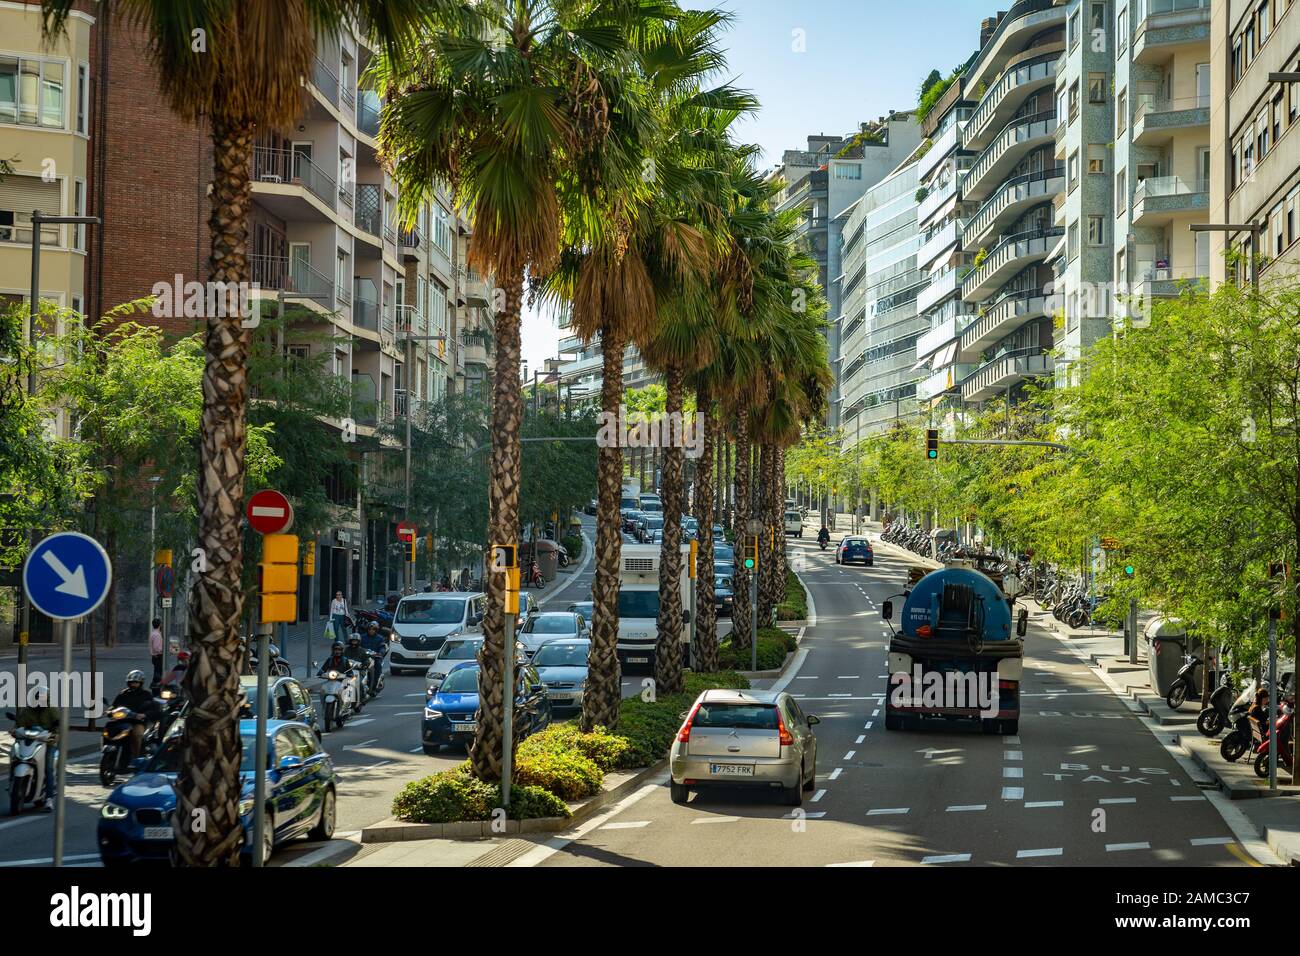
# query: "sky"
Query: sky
823,66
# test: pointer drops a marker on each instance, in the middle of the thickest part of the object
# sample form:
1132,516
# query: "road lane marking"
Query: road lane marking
1013,755
848,677
835,774
1013,793
376,766
47,860
1212,841
1044,803
888,811
361,722
364,743
838,696
857,863
1197,797
19,822
408,713
1029,854
867,726
1120,847
1014,739
632,825
861,737
876,712
947,858
968,806
1013,772
712,820
415,750
1118,800
816,797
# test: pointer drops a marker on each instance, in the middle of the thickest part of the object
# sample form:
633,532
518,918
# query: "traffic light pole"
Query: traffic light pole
508,724
1274,699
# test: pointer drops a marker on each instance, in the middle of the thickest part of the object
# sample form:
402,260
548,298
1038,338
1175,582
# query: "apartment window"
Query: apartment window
1074,101
79,209
1096,87
848,170
1265,21
1072,245
1096,158
1261,133
1073,170
1248,44
1121,191
1278,222
1276,109
1062,105
1121,30
19,196
1292,201
1076,24
1097,17
1121,270
31,91
442,230
342,273
1096,230
1121,112
83,96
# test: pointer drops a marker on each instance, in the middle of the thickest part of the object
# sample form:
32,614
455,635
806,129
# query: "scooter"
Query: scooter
27,766
1214,718
376,673
1282,734
535,576
115,759
338,698
1184,683
823,543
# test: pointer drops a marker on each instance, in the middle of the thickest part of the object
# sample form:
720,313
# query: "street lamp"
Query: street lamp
1255,229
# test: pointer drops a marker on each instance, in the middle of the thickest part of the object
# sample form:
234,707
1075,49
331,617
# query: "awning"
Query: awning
940,359
1056,249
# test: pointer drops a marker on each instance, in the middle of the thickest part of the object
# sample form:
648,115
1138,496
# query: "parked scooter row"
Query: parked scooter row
1248,717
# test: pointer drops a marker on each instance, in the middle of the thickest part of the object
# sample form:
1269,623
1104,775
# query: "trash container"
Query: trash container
1167,643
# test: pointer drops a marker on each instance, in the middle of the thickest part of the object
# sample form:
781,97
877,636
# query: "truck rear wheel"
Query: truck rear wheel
990,726
893,721
1010,727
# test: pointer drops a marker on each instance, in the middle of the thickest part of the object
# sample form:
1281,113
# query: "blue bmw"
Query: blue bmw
450,715
135,824
855,549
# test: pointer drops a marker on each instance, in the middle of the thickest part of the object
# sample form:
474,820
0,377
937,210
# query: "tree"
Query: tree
510,104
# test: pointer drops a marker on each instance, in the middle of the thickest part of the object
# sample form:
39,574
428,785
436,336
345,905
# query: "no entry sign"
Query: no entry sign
406,531
269,512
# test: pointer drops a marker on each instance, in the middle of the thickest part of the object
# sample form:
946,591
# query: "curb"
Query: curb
479,829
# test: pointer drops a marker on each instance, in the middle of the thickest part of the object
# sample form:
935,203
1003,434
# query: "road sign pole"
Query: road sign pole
61,774
1274,699
508,728
259,775
753,619
1133,630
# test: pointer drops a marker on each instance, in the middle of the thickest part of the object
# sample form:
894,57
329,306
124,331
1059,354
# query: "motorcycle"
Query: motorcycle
376,672
27,766
823,542
1282,734
1239,738
1185,683
115,757
338,698
1214,718
534,577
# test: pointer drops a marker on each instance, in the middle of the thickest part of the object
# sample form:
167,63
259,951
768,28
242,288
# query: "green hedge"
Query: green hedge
572,544
607,751
454,795
773,645
795,605
566,773
650,727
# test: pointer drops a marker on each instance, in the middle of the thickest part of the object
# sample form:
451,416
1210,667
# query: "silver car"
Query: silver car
548,625
744,738
562,664
458,650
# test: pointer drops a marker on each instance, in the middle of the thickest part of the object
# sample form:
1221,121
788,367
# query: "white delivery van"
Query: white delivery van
638,603
794,523
423,621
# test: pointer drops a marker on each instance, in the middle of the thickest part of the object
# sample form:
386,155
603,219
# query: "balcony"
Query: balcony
1160,200
410,320
1014,198
1003,372
475,350
368,112
411,239
1015,142
940,335
1012,88
326,80
937,153
1156,120
291,186
1008,257
937,383
941,286
296,279
388,326
368,216
935,199
999,320
365,311
476,289
942,240
1166,282
1169,27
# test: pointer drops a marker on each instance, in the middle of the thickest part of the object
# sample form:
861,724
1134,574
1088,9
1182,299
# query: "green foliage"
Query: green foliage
572,544
454,795
650,727
795,605
932,92
607,751
773,646
566,773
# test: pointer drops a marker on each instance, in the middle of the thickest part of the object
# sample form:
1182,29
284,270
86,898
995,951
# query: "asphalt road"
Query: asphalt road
1083,782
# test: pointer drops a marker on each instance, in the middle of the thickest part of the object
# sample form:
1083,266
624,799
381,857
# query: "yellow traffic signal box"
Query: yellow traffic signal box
278,575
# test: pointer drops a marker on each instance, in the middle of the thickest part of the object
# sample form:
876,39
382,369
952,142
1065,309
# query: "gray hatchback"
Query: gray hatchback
742,738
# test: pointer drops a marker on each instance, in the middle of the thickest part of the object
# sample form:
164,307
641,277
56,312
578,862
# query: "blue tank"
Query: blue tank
950,603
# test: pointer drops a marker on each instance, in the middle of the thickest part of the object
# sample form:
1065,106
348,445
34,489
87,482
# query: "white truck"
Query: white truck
638,604
631,488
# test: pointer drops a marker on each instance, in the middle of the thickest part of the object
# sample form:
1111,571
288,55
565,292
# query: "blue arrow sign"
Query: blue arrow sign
67,575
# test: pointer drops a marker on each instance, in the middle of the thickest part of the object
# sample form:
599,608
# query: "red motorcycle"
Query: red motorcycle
533,577
1282,733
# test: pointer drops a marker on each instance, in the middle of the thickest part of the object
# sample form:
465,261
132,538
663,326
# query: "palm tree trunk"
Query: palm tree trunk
767,567
741,632
600,700
706,614
729,479
208,787
719,465
668,647
503,528
778,503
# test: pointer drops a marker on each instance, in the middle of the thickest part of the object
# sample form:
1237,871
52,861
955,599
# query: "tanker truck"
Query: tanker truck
954,655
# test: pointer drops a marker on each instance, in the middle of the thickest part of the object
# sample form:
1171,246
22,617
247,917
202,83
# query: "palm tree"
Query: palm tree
522,107
239,66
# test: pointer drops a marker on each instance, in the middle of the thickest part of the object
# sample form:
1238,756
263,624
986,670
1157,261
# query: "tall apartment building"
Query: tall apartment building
823,182
45,138
880,325
1254,161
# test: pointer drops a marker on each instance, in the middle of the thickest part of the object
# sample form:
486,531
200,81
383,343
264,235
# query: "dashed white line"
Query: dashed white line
1028,854
969,806
1013,755
867,726
1212,841
947,858
1013,739
364,743
849,755
705,820
857,863
876,712
1044,803
1013,772
888,811
1118,800
1198,797
861,737
1119,847
633,825
816,797
848,677
1013,793
835,774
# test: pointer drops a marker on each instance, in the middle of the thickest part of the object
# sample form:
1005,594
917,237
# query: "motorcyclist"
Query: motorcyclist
135,697
824,535
337,661
357,655
40,714
375,643
178,669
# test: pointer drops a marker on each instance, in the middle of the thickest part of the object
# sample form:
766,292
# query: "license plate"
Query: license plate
731,769
555,696
466,727
159,833
638,660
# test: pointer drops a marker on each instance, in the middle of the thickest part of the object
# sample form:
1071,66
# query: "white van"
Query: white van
794,523
638,603
423,621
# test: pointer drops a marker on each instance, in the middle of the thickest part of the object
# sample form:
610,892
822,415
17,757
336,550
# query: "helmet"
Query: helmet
354,638
135,677
374,625
336,646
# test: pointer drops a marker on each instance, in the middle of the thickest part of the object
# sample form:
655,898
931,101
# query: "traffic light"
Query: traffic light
504,557
751,552
695,548
278,578
1129,570
309,559
932,443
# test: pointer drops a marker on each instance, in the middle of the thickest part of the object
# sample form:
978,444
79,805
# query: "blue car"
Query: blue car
135,824
855,549
450,715
291,700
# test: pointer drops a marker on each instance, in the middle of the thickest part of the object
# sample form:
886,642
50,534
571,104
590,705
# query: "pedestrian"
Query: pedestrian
338,612
156,649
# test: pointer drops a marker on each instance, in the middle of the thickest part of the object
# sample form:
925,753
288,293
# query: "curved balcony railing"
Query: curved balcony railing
1014,190
1038,126
1038,69
1001,317
1005,370
1019,246
289,167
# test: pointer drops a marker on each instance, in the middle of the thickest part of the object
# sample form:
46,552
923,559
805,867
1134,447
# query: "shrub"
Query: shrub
572,544
566,773
650,727
602,748
773,645
453,796
795,605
